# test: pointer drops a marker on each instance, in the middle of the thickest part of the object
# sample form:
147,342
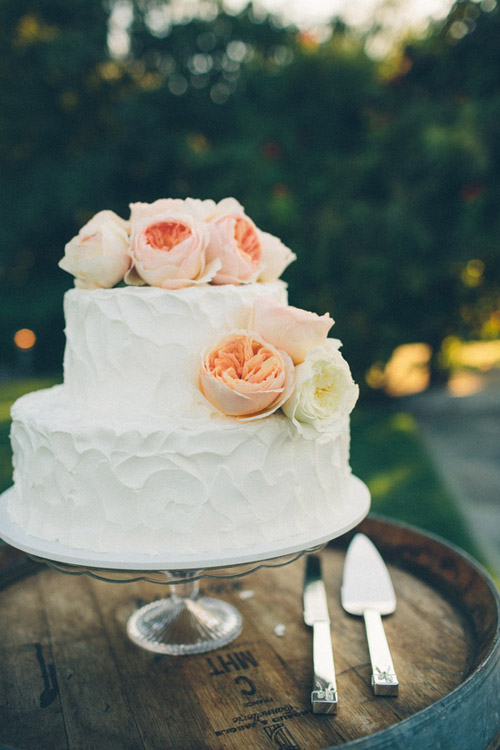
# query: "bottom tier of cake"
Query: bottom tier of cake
185,486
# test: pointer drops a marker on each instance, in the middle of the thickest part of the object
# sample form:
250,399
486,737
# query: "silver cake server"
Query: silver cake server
324,693
367,590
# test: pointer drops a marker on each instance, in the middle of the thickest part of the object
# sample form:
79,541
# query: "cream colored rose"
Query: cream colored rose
324,391
289,328
244,376
98,255
168,249
275,257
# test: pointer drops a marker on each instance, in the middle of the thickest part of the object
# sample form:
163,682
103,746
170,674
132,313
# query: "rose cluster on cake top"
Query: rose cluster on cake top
283,359
174,243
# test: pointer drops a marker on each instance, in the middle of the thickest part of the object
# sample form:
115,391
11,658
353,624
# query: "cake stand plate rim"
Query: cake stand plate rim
358,504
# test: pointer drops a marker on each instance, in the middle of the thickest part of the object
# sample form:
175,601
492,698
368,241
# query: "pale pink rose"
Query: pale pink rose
293,330
98,255
275,257
244,376
169,250
236,242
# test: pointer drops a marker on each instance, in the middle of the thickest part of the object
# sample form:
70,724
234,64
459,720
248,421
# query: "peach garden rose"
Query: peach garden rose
245,376
235,241
98,255
236,248
175,243
246,253
168,249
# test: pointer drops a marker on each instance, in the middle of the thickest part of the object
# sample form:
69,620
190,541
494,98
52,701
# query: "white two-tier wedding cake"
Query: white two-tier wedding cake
199,411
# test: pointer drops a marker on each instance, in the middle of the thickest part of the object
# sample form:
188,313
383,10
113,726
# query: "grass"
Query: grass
386,453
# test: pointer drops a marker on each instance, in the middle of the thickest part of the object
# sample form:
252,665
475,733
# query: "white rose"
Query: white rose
324,392
98,255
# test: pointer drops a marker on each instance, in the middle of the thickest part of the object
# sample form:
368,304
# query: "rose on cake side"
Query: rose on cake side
244,376
174,243
98,255
324,391
241,376
290,328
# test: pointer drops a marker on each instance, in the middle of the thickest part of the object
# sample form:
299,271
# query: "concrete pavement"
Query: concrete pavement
463,437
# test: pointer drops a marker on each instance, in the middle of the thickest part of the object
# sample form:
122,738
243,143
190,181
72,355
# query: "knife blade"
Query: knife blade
324,699
367,591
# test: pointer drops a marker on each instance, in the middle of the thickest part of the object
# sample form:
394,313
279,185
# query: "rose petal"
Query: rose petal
132,278
289,328
234,403
275,257
285,395
210,271
203,210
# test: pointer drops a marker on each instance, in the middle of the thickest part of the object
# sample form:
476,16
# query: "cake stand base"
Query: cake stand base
184,623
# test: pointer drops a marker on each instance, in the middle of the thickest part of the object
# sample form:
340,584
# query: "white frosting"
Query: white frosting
137,349
186,486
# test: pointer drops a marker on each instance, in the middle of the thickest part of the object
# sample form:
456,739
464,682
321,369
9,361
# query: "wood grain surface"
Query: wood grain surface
70,678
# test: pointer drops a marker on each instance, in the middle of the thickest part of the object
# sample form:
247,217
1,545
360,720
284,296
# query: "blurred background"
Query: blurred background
365,134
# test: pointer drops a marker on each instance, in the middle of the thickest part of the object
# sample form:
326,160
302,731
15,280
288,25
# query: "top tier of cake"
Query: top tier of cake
137,350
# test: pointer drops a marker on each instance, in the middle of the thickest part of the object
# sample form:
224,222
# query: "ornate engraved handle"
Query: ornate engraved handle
324,695
384,680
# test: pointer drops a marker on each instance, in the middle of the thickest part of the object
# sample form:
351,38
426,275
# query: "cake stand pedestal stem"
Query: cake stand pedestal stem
184,622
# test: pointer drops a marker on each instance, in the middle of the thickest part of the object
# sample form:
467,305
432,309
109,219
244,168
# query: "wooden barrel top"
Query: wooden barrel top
70,678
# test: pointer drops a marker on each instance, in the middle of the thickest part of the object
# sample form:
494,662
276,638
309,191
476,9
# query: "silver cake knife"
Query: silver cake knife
324,694
367,590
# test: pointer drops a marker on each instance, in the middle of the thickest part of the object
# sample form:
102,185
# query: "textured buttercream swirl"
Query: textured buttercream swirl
136,350
107,484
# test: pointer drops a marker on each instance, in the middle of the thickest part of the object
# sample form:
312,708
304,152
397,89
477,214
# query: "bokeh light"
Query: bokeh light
25,339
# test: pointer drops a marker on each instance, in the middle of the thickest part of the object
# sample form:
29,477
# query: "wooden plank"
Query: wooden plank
158,693
94,704
30,706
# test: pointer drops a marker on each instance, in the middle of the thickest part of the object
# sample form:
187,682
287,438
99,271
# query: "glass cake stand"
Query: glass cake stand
185,622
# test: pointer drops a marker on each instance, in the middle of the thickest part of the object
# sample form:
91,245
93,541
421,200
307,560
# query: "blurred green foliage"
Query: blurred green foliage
383,177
